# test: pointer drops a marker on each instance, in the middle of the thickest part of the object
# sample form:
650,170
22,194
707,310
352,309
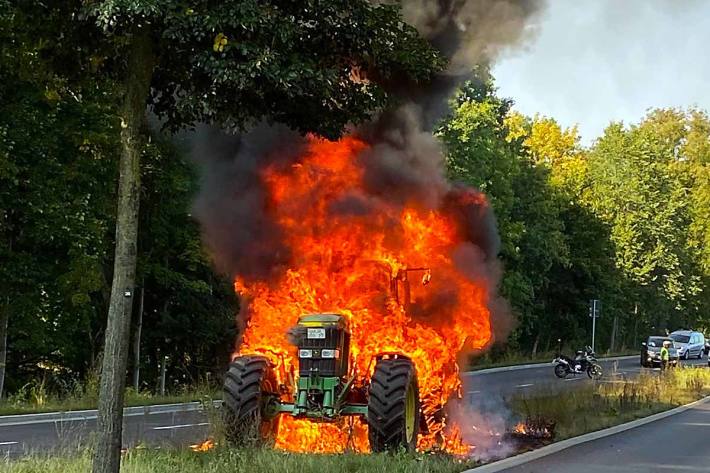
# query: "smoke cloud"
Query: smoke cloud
468,33
404,164
484,423
232,203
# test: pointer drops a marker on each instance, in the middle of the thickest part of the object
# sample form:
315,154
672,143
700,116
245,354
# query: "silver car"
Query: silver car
651,352
690,344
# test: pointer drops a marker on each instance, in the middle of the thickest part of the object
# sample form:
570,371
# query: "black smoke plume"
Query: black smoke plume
404,164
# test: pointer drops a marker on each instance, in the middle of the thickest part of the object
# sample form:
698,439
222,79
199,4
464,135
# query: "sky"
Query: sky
591,62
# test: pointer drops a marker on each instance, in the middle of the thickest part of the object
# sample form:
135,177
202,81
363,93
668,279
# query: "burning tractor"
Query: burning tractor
323,393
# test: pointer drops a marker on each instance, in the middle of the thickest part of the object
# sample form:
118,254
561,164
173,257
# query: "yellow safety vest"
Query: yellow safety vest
664,354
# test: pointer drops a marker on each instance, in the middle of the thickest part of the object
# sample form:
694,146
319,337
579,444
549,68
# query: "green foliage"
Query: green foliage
189,310
482,154
643,185
315,66
625,221
56,155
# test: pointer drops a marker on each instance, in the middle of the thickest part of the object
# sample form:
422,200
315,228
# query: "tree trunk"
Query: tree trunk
107,455
4,318
137,342
534,347
636,324
614,328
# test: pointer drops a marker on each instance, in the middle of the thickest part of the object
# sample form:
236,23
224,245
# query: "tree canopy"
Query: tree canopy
624,220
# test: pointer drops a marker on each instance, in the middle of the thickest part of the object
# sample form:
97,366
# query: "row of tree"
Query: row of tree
228,63
626,220
58,158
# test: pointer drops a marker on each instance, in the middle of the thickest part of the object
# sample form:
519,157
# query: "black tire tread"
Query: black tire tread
387,405
242,397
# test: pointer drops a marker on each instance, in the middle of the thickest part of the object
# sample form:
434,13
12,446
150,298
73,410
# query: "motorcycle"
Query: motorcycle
585,361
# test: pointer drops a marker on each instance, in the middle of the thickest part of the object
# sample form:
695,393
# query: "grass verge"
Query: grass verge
252,461
35,403
595,407
575,412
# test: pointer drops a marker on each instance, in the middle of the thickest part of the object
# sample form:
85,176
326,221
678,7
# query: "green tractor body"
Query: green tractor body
323,360
323,391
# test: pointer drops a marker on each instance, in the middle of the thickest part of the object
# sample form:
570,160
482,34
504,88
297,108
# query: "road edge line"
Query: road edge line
556,447
502,369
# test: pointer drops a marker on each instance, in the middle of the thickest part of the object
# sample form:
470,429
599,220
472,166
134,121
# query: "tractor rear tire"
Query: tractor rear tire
393,412
249,387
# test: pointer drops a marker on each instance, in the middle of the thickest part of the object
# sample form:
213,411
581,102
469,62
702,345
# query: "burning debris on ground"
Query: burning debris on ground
533,432
310,226
205,446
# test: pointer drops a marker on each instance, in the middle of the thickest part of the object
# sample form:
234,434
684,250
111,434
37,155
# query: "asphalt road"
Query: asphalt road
177,428
678,443
19,436
505,383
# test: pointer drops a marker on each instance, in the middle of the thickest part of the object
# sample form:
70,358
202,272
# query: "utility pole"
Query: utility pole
594,310
137,342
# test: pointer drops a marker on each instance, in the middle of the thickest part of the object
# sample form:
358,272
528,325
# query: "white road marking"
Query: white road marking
524,385
473,392
573,379
181,426
2,444
661,466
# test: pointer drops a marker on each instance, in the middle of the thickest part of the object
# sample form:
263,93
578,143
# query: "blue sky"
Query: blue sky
594,61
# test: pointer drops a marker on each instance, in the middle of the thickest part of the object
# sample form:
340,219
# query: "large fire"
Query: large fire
343,260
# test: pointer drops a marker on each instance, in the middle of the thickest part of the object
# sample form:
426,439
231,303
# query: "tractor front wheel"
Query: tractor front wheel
250,389
393,406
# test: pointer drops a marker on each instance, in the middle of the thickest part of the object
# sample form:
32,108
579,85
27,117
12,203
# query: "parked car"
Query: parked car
651,352
690,344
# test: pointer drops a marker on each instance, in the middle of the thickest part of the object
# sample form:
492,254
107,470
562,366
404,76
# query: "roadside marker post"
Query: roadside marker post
595,307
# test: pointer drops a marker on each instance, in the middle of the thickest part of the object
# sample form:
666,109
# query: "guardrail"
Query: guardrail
92,414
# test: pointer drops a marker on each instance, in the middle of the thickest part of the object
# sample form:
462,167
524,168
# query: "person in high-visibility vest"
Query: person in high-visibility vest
665,355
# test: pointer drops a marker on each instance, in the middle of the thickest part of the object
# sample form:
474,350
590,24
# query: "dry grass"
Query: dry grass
605,404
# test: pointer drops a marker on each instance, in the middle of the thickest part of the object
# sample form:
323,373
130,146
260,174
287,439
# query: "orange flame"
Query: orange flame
343,263
205,446
520,428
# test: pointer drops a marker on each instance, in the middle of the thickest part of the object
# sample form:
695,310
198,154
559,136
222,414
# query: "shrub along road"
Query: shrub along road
181,426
